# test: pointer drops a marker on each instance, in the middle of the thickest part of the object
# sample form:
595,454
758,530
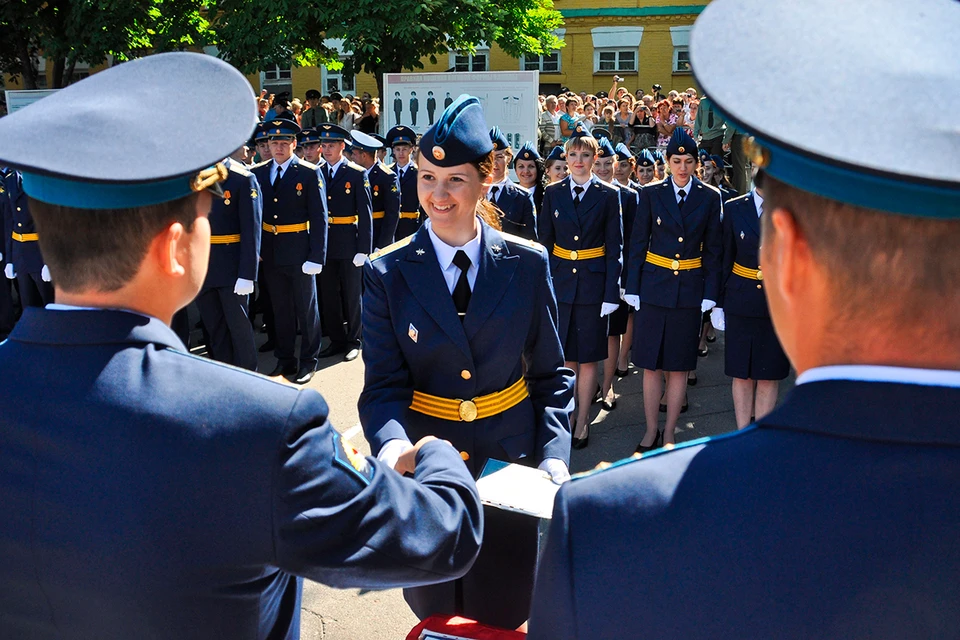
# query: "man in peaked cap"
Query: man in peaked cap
836,515
150,493
384,190
24,261
401,139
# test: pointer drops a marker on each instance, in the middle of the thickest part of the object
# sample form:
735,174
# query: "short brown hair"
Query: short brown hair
102,249
582,142
903,267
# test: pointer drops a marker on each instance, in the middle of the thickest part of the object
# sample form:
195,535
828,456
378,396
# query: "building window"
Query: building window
609,61
470,62
277,74
681,60
339,81
547,63
276,80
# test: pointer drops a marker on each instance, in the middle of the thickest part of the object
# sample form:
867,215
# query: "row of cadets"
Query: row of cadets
293,248
384,189
581,227
401,140
513,202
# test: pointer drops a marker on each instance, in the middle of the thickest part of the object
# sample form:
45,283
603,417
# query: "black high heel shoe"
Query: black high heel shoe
581,443
622,373
656,444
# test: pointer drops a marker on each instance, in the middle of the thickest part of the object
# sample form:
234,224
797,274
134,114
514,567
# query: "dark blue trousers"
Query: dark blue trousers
294,298
226,318
342,285
7,314
34,292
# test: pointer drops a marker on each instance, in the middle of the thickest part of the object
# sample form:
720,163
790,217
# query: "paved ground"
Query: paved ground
333,614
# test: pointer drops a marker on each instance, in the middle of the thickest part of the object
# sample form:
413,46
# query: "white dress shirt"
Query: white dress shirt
275,167
445,254
499,187
585,185
878,373
757,202
333,167
686,189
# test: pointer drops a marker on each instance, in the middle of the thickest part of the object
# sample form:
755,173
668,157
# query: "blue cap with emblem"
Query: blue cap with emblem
260,134
364,141
281,129
460,135
527,152
623,153
557,153
605,148
498,139
658,157
717,160
50,140
645,159
599,133
681,144
838,154
332,133
401,135
308,136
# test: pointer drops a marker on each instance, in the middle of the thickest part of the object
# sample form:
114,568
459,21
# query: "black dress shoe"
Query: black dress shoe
608,406
622,373
683,409
281,370
332,350
657,443
267,346
352,354
692,382
703,352
711,339
304,375
581,443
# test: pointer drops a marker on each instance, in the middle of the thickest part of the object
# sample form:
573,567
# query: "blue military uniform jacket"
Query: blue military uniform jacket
297,199
239,212
661,229
629,199
25,256
385,200
348,195
154,494
597,223
741,244
516,205
414,340
409,201
837,517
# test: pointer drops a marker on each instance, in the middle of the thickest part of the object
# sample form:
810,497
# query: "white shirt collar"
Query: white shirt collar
404,167
53,306
282,166
585,185
686,188
877,373
445,252
506,180
334,167
757,201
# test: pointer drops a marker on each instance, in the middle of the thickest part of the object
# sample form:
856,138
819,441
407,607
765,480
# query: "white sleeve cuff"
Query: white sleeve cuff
391,451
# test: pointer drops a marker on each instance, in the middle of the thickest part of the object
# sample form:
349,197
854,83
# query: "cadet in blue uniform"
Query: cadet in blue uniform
646,168
674,277
8,312
462,310
513,202
401,139
384,189
234,259
351,240
293,248
24,259
753,355
555,166
528,166
837,515
582,230
149,493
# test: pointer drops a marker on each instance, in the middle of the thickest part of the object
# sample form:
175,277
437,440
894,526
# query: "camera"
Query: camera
617,79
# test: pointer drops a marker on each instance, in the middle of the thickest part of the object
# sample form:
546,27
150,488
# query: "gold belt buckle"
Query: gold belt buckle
573,255
468,411
675,265
759,274
273,227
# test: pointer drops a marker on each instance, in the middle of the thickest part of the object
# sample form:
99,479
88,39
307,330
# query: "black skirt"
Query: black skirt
666,338
618,320
752,350
583,333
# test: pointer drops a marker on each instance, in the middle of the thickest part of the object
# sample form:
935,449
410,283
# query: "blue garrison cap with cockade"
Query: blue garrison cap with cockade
623,153
459,136
557,153
49,141
605,149
645,159
863,61
498,139
527,152
681,144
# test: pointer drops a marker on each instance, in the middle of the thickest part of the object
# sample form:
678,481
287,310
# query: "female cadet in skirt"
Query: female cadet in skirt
753,357
674,277
460,310
580,226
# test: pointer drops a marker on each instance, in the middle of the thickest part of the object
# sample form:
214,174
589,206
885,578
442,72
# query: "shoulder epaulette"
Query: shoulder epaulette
533,244
354,165
260,164
308,165
241,169
399,244
387,170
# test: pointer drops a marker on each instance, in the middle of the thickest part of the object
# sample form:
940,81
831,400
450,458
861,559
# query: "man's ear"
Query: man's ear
165,247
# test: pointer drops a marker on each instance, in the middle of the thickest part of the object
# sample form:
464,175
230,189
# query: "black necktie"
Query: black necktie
683,198
276,179
578,190
493,194
461,292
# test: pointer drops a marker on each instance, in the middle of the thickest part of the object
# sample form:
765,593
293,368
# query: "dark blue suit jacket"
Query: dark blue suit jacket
154,494
289,205
409,201
414,340
837,517
596,223
25,256
518,214
629,198
348,194
385,197
741,244
663,230
243,215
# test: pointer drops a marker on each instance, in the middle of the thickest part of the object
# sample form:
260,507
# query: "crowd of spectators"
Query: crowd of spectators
350,112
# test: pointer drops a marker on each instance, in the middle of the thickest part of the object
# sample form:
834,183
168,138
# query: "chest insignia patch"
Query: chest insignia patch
412,332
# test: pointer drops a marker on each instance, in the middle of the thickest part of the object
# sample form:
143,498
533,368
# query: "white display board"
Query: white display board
20,98
509,100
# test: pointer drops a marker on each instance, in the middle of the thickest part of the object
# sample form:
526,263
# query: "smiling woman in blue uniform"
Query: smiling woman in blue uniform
674,277
461,310
514,203
582,230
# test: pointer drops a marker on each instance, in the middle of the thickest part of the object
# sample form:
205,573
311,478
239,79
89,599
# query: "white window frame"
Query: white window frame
481,50
279,75
676,59
680,36
326,76
616,40
618,68
540,62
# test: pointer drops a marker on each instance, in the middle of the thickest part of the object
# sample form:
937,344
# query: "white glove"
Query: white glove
243,287
717,319
608,308
557,470
391,451
623,292
706,305
311,268
633,301
359,259
9,272
45,274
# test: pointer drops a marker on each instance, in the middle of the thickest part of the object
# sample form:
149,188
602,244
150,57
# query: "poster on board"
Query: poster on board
20,98
509,100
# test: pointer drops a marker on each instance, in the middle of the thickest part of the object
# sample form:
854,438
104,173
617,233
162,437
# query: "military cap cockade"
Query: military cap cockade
50,140
364,141
605,148
645,159
281,128
332,133
623,153
498,139
837,155
459,136
557,153
527,152
401,134
682,144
